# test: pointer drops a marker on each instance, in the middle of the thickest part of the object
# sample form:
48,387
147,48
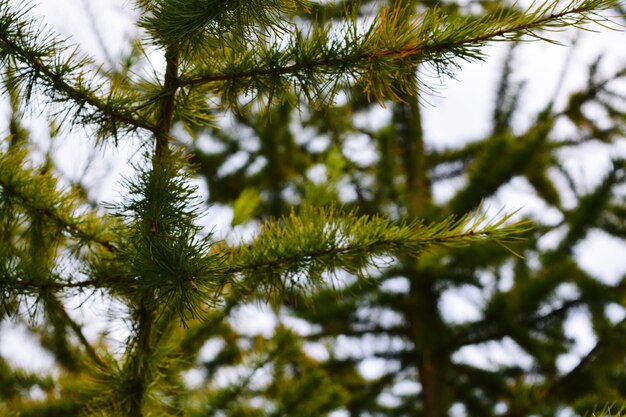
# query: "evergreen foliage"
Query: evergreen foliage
177,287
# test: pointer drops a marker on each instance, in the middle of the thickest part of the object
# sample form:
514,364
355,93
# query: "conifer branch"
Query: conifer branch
63,80
22,284
229,394
77,329
296,252
191,24
38,193
381,61
322,240
487,329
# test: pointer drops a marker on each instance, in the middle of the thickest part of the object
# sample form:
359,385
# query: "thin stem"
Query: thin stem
141,359
146,312
78,331
168,101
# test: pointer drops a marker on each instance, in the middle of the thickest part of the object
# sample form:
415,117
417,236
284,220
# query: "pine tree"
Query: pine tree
175,284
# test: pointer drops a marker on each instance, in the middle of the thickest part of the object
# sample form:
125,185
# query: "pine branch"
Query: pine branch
322,241
59,310
296,253
38,193
486,330
381,60
66,81
232,393
191,24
